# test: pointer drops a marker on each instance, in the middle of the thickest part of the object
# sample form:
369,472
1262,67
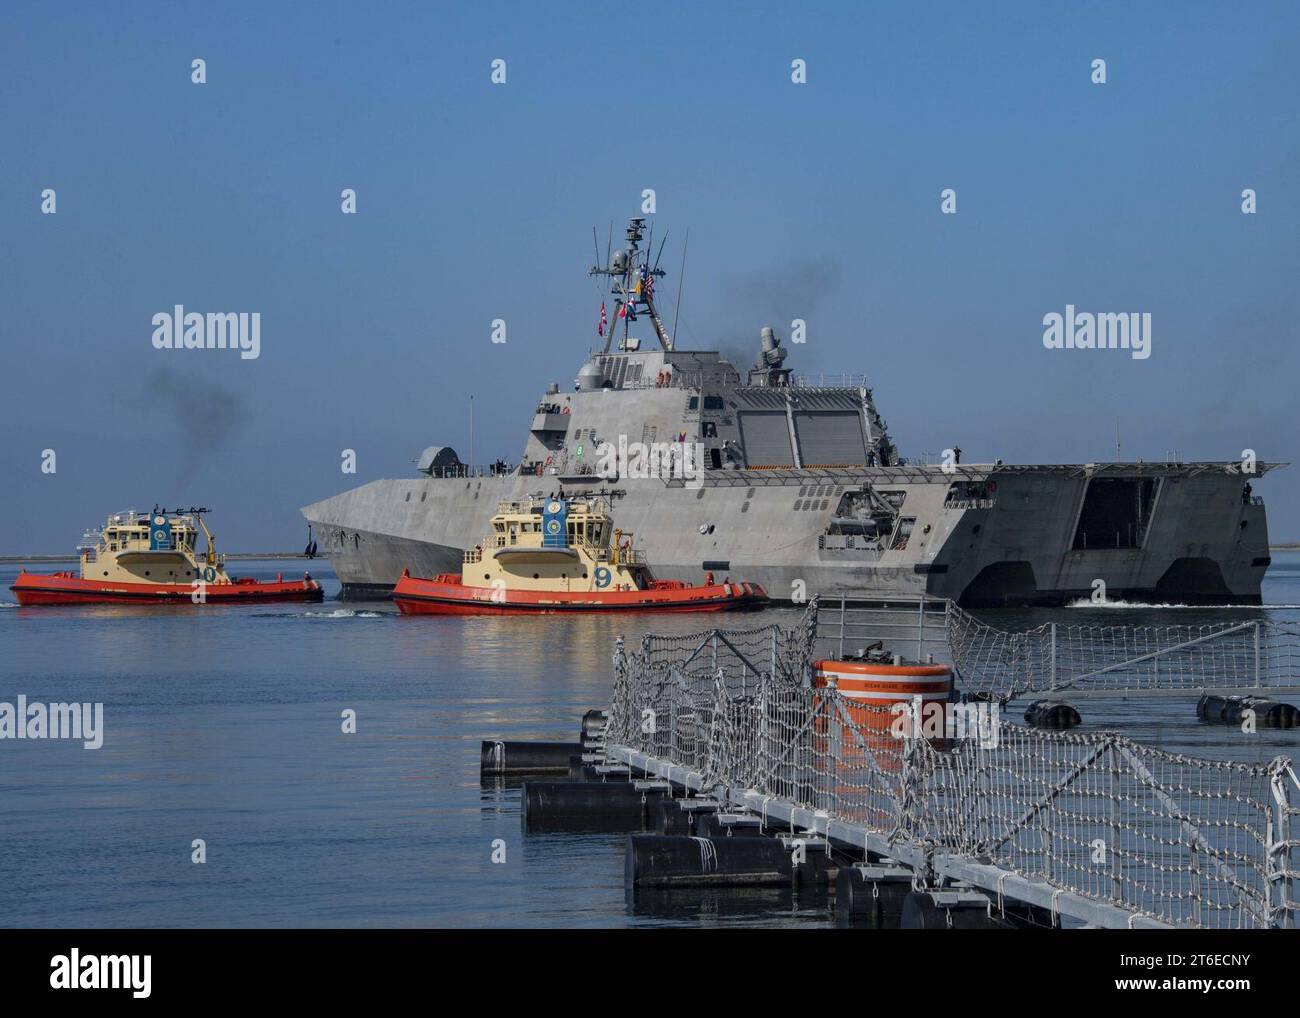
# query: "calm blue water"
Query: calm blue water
223,723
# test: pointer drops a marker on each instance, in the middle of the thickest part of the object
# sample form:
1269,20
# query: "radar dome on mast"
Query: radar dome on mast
590,377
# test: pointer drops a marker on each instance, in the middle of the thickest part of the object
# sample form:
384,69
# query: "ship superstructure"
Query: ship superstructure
801,489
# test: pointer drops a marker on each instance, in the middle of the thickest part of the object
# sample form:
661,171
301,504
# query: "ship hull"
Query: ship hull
32,589
1203,543
419,596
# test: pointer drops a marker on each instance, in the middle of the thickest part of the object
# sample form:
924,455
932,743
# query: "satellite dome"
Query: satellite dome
590,377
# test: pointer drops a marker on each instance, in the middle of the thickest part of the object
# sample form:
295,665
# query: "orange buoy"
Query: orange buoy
871,688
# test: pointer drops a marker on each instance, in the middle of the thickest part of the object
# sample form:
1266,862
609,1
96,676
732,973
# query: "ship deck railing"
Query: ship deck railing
467,471
1094,827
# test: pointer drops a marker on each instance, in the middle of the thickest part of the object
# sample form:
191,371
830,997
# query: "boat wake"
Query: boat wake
337,613
1084,602
344,613
8,604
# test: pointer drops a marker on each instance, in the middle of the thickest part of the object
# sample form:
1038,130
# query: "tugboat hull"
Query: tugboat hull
446,595
62,588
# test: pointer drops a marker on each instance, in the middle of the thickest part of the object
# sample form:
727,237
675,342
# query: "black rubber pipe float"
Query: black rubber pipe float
1212,708
593,724
585,770
872,895
668,860
526,757
1053,715
813,865
670,818
1232,710
948,910
587,805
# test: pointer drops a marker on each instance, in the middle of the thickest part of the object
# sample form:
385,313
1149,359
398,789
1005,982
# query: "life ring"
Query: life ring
549,460
565,410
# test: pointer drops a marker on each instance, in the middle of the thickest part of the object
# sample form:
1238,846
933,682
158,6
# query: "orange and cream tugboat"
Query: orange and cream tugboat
152,557
562,554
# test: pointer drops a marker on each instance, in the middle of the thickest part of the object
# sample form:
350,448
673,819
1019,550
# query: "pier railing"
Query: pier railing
915,627
1255,656
1119,832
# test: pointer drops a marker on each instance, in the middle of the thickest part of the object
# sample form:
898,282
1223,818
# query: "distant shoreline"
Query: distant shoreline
242,556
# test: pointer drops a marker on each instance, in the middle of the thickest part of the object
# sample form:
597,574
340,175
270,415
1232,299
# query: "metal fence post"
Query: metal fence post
843,599
1117,884
1279,850
1257,652
920,630
1053,657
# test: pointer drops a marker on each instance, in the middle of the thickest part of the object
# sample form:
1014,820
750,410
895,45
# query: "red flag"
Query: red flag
622,311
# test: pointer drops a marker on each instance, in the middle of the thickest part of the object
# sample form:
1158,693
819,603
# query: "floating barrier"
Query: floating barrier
593,725
670,860
666,860
682,816
1233,710
498,757
1056,717
590,805
949,910
996,829
872,895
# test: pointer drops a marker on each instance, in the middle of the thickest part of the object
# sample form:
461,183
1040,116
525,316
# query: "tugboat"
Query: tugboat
153,557
548,554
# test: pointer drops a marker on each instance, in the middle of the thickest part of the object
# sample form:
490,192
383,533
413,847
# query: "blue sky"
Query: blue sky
476,202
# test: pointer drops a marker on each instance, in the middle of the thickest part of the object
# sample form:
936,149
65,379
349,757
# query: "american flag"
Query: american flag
600,329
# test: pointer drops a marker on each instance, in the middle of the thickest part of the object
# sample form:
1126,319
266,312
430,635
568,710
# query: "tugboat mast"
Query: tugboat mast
632,282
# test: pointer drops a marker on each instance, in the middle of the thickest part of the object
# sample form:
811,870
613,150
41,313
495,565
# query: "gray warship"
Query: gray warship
801,489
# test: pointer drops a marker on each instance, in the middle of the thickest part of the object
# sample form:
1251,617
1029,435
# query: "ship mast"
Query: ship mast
632,283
